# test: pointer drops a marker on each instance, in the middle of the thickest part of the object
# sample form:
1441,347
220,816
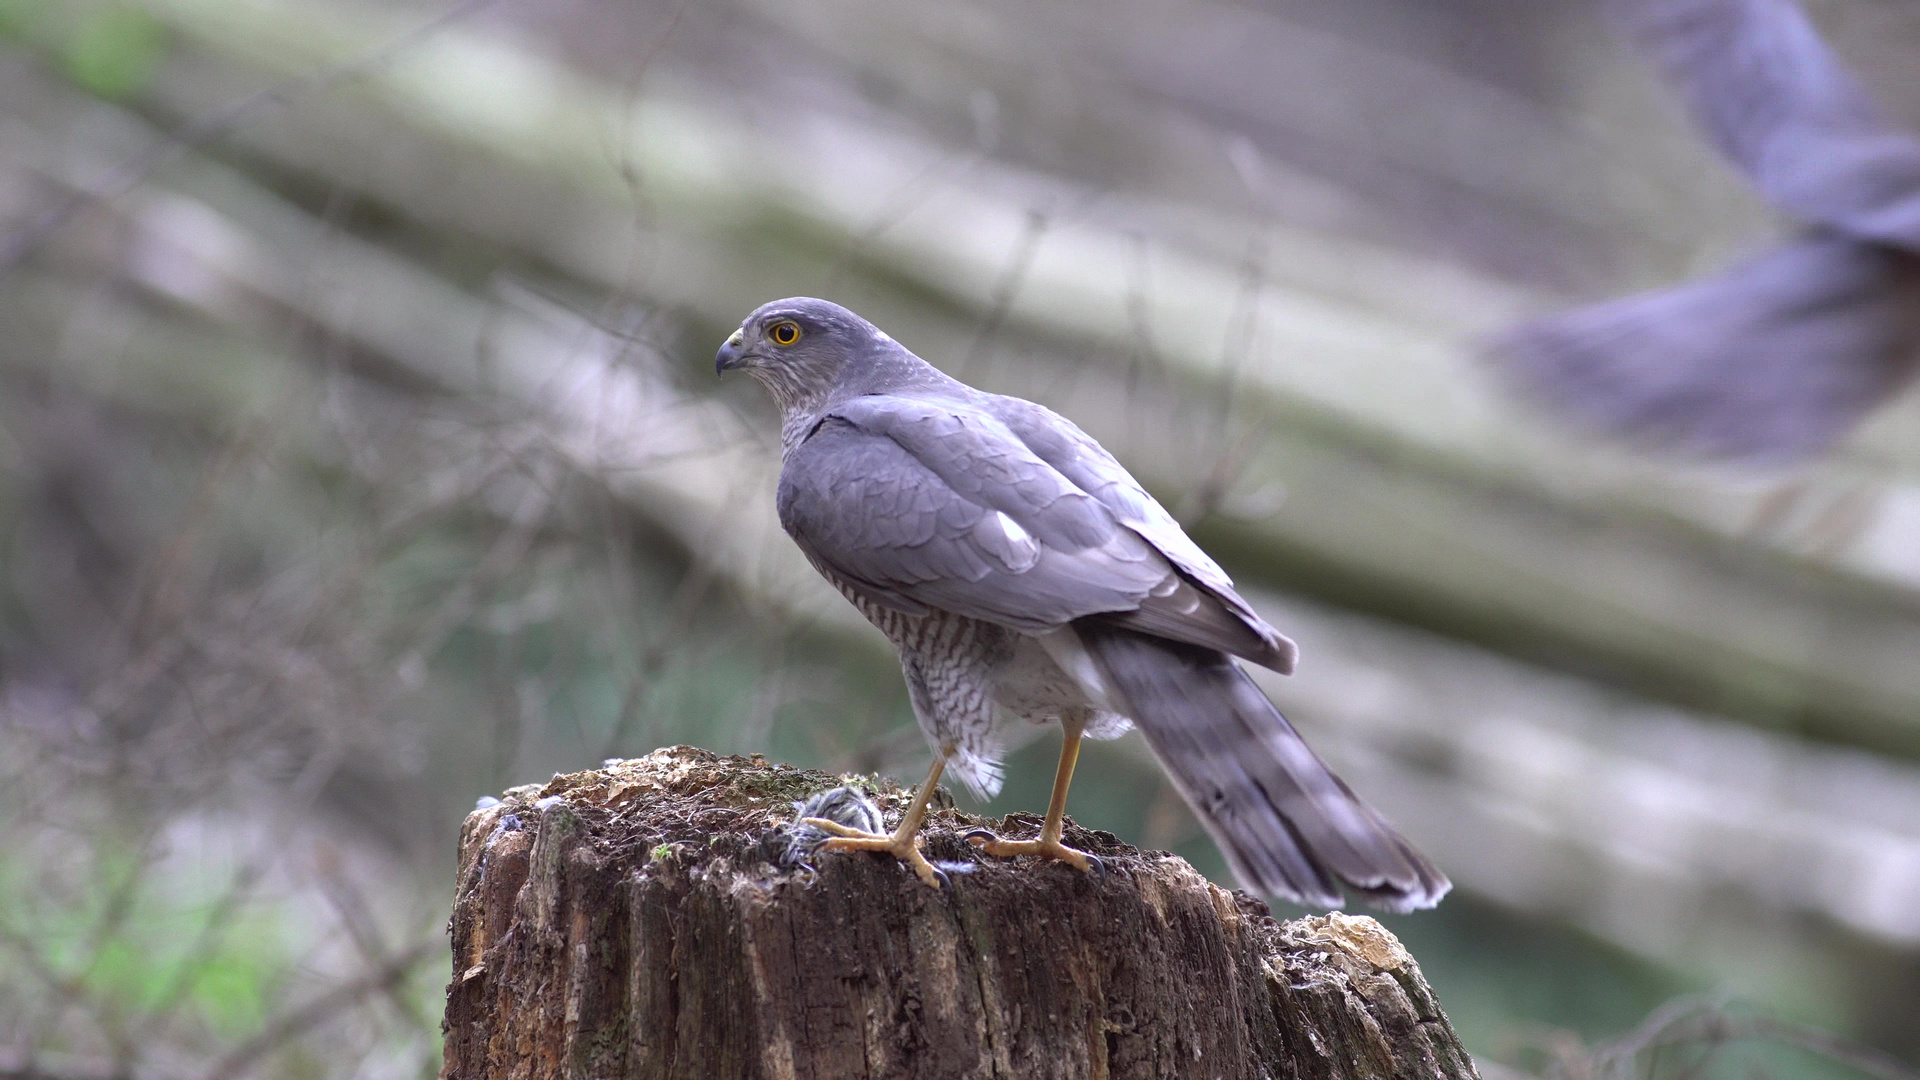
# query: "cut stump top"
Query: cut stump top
643,920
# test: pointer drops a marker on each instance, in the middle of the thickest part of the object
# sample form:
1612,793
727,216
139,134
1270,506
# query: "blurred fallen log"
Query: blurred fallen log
642,920
1407,491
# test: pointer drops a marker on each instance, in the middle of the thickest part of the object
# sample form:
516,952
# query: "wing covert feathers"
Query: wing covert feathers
945,504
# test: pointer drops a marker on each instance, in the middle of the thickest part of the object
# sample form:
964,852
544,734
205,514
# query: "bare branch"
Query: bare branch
1007,289
321,1009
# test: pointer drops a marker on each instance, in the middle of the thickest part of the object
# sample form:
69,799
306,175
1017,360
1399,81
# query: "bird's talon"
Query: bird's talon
979,837
904,848
1046,849
831,826
946,882
1096,866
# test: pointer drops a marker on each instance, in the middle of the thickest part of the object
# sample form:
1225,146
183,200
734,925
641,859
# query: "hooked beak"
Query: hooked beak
730,355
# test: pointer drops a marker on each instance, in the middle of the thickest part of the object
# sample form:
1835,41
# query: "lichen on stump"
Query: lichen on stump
641,920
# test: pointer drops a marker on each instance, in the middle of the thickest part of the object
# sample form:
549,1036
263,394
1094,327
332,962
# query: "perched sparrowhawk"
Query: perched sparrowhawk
1019,569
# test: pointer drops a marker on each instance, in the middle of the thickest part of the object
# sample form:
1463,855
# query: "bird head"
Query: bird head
811,354
799,346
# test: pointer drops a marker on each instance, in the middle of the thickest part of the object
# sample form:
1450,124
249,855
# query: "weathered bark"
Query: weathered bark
639,920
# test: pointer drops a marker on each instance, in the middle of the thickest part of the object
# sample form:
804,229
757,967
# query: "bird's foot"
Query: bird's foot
905,847
1043,847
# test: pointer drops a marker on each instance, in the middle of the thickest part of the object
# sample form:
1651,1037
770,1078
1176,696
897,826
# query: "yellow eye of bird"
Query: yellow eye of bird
784,333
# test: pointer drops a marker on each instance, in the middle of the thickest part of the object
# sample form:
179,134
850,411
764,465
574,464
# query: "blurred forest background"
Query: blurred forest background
361,455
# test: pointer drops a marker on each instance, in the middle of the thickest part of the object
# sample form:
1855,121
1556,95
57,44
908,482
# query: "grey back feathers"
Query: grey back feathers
926,493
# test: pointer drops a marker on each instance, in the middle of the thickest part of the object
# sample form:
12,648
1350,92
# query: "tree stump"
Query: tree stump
644,920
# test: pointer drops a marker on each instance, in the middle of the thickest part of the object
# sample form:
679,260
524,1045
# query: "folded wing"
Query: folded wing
940,504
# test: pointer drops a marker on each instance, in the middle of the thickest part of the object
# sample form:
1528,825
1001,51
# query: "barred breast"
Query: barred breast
951,664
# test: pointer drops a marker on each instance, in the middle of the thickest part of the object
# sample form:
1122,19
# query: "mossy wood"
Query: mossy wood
640,921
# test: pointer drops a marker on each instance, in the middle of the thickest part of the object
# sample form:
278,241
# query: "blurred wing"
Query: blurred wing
1777,102
1205,594
1772,360
931,506
1780,356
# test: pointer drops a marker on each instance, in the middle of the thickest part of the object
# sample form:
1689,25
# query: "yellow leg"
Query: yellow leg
1048,846
904,843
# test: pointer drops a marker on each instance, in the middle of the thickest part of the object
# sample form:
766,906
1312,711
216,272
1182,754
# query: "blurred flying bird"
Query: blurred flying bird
1780,356
1019,569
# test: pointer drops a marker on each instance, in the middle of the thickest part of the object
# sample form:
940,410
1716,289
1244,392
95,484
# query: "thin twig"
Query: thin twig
213,934
356,916
1707,1025
1007,289
321,1009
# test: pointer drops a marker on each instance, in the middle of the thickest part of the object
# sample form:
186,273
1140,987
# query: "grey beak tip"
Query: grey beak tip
728,357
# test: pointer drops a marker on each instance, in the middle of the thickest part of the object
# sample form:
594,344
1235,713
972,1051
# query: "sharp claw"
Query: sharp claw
979,836
946,883
1097,866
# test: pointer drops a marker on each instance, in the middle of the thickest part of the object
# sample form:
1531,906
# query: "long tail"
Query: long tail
1286,824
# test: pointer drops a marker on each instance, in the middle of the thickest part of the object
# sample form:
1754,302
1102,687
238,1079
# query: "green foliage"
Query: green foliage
111,50
19,16
114,51
107,928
